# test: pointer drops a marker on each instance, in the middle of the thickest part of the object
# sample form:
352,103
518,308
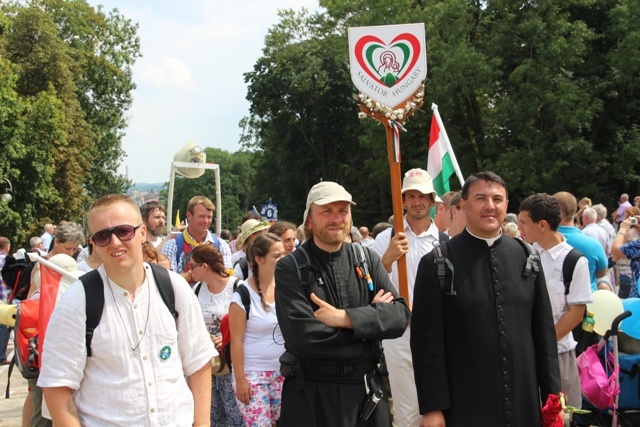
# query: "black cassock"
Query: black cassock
488,355
324,399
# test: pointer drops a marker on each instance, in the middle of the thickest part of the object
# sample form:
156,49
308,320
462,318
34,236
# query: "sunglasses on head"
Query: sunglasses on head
123,232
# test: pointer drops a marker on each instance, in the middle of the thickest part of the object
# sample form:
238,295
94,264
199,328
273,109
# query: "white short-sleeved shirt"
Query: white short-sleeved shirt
263,341
118,386
598,233
579,291
419,246
215,306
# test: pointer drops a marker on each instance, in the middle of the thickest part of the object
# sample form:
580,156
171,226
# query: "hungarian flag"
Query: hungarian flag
442,163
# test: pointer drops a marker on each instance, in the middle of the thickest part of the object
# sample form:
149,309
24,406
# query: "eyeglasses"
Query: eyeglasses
123,232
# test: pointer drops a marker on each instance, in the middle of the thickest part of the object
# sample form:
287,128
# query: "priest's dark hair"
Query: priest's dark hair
487,176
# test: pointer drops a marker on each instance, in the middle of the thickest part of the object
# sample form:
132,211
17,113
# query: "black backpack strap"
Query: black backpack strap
7,393
163,281
235,283
244,266
196,290
442,263
362,261
568,267
305,280
245,298
443,237
532,265
94,297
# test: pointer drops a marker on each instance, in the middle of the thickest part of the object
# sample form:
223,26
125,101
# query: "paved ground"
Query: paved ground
11,409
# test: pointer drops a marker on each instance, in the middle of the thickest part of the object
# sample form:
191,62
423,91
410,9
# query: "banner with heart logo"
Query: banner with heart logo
388,63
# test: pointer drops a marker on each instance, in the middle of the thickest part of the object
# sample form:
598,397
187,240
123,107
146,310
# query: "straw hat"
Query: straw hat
249,227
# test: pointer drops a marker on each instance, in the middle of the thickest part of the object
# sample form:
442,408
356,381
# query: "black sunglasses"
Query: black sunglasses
123,232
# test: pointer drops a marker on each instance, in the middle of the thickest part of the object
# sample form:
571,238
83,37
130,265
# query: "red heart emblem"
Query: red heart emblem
389,63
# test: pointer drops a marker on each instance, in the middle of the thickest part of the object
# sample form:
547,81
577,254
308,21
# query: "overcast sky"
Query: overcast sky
190,78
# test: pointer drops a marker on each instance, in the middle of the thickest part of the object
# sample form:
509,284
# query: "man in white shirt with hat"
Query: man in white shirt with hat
414,241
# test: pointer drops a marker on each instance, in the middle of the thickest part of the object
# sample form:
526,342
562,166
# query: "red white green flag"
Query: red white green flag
442,163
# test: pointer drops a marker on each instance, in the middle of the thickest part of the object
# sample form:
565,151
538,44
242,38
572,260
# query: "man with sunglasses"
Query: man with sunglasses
199,218
146,367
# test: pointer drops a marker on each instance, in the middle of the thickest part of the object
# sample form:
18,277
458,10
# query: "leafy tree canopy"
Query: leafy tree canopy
65,85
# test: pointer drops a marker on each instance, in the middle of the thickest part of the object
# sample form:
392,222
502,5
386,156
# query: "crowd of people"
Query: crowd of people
317,323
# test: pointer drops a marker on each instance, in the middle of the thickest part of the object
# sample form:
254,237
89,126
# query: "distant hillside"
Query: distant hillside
149,188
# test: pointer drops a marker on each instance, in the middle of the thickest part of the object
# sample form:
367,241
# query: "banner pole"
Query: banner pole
395,173
386,117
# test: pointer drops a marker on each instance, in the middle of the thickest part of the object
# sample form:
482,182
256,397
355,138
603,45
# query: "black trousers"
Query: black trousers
326,403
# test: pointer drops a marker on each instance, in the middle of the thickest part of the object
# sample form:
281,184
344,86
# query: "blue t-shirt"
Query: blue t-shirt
590,248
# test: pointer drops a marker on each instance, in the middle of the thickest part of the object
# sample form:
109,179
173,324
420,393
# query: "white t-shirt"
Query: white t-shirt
215,306
579,292
84,266
598,233
263,341
156,242
419,246
117,385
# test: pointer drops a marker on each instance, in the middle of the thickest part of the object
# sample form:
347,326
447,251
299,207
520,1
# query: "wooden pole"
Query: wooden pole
395,173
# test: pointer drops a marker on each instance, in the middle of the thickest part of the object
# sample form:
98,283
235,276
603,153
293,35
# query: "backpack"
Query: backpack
94,296
181,247
244,266
27,352
224,324
26,355
16,275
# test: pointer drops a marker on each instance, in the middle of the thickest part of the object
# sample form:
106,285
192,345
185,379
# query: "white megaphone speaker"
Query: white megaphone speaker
191,153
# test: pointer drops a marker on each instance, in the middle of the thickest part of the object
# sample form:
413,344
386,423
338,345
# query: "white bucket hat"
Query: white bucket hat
419,180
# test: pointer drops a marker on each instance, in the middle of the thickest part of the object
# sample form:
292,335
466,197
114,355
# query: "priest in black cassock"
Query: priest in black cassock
487,355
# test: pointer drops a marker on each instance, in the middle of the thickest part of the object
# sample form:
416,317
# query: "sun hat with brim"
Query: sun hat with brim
244,228
419,180
324,193
255,227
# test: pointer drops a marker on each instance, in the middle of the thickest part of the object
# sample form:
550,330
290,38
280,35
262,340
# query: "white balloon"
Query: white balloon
605,307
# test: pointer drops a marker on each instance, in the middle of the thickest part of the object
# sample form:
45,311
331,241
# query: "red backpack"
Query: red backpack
224,325
27,353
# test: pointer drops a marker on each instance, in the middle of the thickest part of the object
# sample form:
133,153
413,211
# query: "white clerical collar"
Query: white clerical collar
490,241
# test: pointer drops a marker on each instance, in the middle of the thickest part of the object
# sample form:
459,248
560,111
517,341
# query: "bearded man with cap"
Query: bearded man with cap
332,317
415,240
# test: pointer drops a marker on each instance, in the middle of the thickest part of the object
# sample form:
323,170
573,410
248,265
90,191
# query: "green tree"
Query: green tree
46,68
544,92
303,119
65,84
105,47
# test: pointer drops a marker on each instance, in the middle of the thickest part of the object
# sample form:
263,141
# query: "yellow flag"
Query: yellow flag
178,218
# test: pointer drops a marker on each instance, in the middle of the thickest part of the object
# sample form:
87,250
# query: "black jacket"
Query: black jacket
308,338
484,355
